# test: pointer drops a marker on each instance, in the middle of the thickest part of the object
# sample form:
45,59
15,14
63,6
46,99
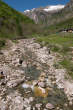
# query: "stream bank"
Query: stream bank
31,81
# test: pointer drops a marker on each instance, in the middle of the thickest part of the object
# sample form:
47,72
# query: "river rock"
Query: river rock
70,103
43,75
26,100
42,79
58,108
42,89
42,84
28,108
31,99
65,104
35,56
33,108
50,106
14,83
35,83
38,105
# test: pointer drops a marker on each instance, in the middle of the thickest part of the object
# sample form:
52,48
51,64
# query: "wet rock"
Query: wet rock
33,108
31,99
41,79
58,108
48,83
2,105
15,71
54,82
26,100
35,83
65,104
27,92
50,106
38,105
14,83
28,108
14,101
43,75
24,64
70,103
42,90
28,78
42,84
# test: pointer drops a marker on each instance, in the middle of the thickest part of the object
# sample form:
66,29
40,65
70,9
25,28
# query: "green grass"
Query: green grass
59,39
60,42
14,24
66,63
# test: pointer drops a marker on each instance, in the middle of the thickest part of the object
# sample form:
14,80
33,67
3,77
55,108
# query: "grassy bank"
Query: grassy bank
62,43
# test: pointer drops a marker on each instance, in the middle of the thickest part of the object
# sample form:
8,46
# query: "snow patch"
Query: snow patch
26,11
54,8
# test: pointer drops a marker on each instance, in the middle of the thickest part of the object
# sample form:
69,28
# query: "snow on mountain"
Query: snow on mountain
54,8
26,11
48,8
42,14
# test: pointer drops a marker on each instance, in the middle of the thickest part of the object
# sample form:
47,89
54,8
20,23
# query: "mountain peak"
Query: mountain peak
43,12
47,8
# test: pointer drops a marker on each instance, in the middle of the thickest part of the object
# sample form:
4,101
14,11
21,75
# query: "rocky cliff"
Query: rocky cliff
41,15
52,14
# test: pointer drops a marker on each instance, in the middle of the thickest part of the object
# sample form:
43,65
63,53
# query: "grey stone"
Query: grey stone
50,106
42,84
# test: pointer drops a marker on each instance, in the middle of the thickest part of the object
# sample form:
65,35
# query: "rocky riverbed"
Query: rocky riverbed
29,80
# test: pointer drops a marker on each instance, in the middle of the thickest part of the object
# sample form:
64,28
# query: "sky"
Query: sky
22,5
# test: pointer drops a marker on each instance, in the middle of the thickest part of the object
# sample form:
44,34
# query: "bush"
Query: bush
2,43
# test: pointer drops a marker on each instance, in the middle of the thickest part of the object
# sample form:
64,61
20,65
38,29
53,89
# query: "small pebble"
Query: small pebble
70,103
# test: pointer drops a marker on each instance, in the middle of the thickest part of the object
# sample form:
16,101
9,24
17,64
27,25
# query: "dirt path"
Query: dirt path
31,81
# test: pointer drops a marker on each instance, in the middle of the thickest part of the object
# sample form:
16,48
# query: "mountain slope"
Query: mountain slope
13,23
52,17
67,15
43,15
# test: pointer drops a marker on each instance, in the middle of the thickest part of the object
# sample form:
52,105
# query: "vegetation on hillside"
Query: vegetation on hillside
62,25
61,43
14,24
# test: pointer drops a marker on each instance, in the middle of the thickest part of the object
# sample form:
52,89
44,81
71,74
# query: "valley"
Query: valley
30,79
36,58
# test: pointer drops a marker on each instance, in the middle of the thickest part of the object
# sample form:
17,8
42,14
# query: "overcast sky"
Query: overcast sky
22,5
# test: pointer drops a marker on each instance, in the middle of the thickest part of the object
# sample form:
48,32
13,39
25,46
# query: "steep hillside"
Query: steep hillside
67,24
53,17
13,23
44,15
